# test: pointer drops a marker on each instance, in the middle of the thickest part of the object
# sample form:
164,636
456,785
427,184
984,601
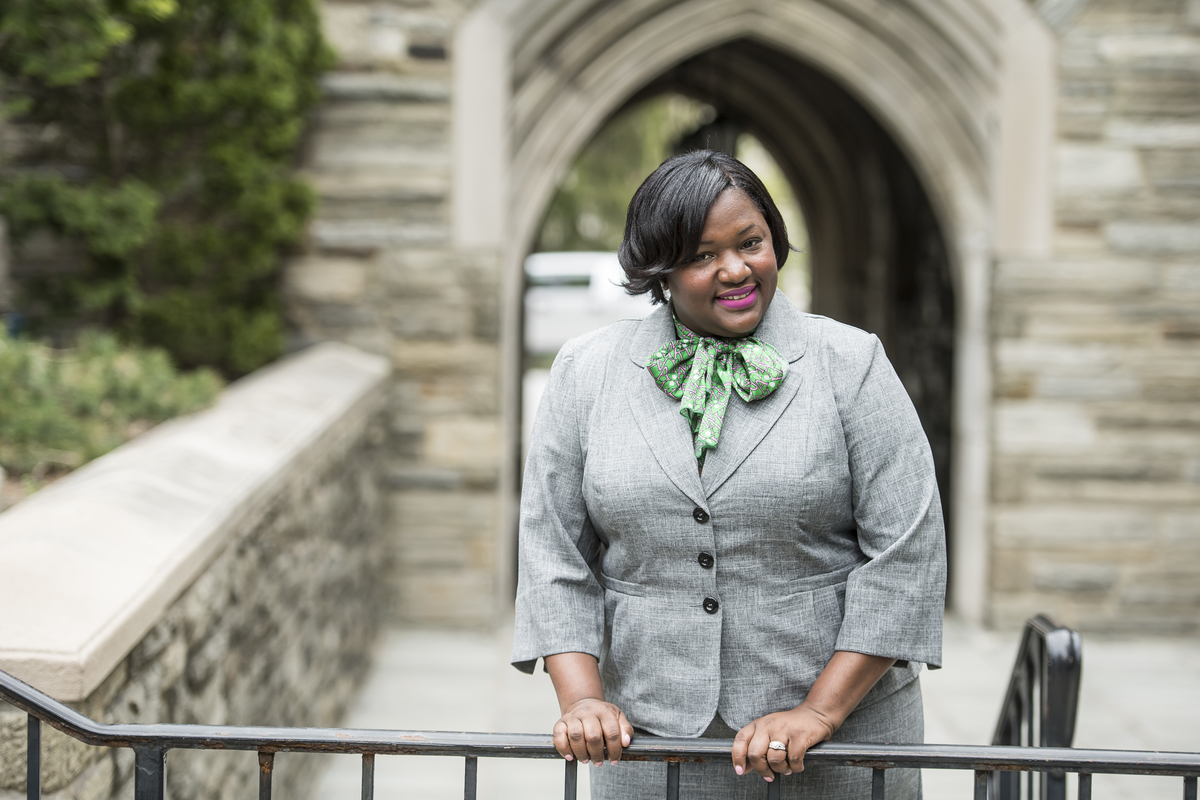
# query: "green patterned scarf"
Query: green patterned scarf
700,370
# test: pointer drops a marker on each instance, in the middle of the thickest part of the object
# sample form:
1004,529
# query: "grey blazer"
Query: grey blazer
815,527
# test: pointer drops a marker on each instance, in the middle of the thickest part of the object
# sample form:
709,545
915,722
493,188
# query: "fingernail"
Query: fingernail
613,763
569,758
625,739
738,770
585,761
789,772
768,780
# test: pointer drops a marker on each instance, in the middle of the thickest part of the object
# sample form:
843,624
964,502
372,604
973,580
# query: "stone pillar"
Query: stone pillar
1096,472
382,271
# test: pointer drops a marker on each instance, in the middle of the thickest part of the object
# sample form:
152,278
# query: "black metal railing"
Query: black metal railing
150,744
1040,706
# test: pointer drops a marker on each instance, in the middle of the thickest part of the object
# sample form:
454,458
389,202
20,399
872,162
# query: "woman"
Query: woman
729,523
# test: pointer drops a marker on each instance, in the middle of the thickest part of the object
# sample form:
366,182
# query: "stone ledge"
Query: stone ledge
89,565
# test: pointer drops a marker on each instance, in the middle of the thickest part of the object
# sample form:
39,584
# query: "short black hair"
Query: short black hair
666,216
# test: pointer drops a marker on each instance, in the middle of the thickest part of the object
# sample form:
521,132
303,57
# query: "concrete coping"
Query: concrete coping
90,564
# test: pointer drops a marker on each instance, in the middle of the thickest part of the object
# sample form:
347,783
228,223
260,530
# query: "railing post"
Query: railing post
1085,786
773,787
672,780
981,784
148,769
33,760
368,776
571,783
878,776
266,766
1189,788
471,777
1055,784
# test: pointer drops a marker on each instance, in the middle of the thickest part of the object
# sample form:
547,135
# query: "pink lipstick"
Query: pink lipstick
738,299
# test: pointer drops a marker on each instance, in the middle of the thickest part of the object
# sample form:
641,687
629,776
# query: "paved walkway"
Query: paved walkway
1141,694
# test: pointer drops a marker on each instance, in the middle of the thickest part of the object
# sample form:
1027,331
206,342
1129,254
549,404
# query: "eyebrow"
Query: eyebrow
742,232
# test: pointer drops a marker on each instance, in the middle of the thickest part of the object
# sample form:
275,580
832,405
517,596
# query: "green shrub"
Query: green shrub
61,408
162,135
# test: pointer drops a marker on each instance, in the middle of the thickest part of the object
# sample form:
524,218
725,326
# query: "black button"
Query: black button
711,606
706,560
700,515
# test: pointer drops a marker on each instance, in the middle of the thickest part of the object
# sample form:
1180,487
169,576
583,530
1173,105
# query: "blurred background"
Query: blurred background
194,193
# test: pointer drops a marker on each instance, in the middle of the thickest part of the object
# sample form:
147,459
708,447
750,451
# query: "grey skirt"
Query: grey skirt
896,719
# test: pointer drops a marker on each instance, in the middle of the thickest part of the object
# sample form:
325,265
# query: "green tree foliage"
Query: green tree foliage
164,135
588,210
62,408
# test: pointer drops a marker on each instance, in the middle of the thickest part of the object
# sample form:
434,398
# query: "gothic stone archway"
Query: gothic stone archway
875,117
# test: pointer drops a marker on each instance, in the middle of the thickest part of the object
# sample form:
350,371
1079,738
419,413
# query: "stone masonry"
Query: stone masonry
1096,460
1093,511
279,630
380,272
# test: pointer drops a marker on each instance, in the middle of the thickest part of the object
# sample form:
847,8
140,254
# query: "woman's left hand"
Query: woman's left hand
798,729
837,691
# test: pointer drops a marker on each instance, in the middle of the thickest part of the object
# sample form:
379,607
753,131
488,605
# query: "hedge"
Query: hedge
160,140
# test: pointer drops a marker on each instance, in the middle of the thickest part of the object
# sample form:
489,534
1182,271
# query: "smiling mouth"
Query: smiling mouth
741,294
739,299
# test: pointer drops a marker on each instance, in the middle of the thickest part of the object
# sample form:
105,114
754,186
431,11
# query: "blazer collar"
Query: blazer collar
782,327
666,431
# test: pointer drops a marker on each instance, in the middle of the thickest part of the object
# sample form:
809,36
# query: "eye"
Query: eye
701,257
750,244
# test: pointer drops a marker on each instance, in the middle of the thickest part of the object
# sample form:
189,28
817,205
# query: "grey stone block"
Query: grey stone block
1153,133
1069,526
419,476
1072,578
384,86
1092,168
372,233
1075,278
1154,238
1129,468
1158,594
1087,387
415,318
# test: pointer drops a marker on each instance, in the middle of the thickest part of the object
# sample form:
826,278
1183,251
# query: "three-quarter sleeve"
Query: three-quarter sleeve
895,600
560,604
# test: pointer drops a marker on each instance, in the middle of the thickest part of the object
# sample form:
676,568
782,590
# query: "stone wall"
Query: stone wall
1096,465
278,629
381,272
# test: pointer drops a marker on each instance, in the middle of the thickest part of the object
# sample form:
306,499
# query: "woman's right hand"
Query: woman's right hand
591,730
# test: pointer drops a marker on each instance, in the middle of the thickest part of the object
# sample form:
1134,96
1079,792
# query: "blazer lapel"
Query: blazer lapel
746,424
657,415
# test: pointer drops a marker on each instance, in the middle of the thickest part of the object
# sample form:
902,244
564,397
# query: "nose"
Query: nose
733,269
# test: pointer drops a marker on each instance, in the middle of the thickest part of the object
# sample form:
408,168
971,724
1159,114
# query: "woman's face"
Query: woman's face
726,289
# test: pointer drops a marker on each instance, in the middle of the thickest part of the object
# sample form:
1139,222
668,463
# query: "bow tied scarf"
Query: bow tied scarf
701,372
